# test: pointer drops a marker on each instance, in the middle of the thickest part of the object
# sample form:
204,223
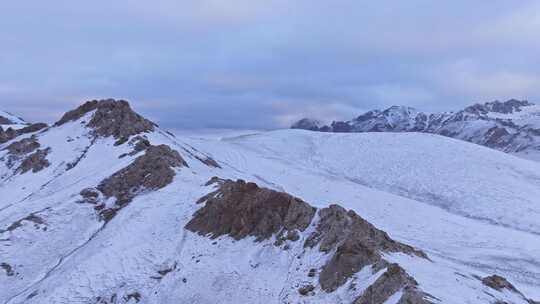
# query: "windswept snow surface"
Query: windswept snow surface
462,202
470,208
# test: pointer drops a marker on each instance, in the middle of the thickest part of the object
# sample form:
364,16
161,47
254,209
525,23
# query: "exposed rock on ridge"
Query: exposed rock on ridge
355,244
36,161
111,118
241,209
19,151
10,133
151,171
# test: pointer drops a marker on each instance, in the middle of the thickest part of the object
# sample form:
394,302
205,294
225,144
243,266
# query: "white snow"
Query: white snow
472,209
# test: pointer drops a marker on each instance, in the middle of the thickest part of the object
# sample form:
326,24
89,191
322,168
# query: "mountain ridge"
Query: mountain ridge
512,126
126,214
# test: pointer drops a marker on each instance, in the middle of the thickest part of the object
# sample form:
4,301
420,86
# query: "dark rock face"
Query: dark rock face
33,128
5,121
243,209
151,171
498,283
19,151
139,144
356,243
23,146
306,290
8,269
9,134
111,118
307,124
393,280
36,161
340,127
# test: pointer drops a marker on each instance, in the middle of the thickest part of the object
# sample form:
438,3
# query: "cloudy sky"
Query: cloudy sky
263,64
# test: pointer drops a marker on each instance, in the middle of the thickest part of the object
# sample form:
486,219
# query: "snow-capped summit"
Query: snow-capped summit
512,126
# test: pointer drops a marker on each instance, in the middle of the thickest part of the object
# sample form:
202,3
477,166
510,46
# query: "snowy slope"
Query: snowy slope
59,249
9,119
465,203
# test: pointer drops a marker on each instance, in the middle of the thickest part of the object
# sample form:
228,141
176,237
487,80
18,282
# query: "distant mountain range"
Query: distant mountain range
512,126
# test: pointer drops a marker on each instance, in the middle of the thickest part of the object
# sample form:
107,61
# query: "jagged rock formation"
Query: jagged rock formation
151,171
36,161
498,283
355,243
21,152
111,118
10,133
241,209
511,126
23,146
391,281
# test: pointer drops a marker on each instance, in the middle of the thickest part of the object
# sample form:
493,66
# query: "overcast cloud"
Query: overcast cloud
264,64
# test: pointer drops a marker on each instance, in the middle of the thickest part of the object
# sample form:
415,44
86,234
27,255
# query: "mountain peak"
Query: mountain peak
110,118
506,107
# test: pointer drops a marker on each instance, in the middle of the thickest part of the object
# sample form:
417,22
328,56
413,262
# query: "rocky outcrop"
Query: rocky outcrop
393,280
151,171
354,242
242,209
7,268
20,153
501,284
23,146
498,283
10,133
110,118
139,144
35,162
10,119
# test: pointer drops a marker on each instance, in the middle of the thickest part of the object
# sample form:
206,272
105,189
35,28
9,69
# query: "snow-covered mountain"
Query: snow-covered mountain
106,207
10,119
512,126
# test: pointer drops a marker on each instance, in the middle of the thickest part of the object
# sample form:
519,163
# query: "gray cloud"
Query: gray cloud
262,64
